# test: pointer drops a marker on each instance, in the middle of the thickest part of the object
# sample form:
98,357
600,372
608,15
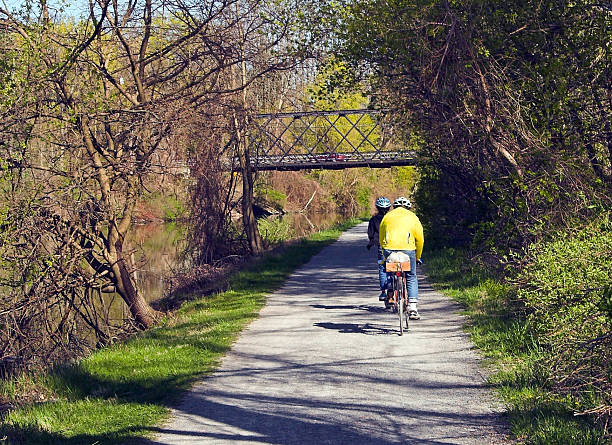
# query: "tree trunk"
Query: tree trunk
248,217
142,312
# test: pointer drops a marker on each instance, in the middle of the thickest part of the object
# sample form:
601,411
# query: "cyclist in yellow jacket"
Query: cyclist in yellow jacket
401,230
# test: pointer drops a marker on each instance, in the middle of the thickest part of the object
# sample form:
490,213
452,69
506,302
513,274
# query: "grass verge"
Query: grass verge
118,394
499,328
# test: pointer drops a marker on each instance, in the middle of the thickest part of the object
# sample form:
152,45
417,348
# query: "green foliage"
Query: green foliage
174,210
274,230
566,278
605,305
512,120
450,219
349,190
169,207
353,191
270,196
363,196
565,282
335,88
404,178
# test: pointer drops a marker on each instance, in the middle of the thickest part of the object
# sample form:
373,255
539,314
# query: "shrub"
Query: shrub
566,285
274,230
270,196
363,198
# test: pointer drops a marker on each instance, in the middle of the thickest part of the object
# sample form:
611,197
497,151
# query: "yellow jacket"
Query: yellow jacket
401,229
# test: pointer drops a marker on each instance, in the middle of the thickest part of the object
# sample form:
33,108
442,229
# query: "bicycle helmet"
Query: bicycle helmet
402,202
382,203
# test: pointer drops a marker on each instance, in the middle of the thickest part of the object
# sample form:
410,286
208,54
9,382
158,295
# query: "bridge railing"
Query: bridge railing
325,139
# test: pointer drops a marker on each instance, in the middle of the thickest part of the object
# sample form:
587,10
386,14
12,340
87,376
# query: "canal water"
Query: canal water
158,247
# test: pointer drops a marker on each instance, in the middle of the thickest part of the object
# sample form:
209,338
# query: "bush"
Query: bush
274,230
174,209
363,196
270,196
566,285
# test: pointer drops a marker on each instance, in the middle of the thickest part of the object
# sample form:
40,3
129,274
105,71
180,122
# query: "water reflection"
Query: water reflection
157,248
157,253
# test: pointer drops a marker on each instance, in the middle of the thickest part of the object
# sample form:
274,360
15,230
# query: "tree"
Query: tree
264,42
94,110
509,99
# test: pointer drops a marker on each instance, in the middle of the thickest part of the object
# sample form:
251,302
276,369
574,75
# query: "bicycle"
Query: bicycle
398,264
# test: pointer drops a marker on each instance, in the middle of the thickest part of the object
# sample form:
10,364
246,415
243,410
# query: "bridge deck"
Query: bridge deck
332,161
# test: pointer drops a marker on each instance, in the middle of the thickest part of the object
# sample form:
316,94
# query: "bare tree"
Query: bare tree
264,48
93,109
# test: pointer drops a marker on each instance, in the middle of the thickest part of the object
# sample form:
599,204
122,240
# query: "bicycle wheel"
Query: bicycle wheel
400,303
405,303
395,288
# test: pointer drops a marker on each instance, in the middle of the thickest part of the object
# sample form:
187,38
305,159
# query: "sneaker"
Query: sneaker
382,296
389,299
414,315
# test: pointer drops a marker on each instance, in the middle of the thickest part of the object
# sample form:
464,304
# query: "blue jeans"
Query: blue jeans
412,283
382,275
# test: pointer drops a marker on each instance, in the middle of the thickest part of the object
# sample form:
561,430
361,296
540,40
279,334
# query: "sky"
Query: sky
57,8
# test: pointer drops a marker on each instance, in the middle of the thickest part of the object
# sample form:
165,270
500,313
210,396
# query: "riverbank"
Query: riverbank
118,394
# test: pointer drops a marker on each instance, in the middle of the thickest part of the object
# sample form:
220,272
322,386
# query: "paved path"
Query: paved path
324,364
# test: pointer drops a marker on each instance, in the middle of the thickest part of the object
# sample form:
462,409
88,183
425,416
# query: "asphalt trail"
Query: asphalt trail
324,364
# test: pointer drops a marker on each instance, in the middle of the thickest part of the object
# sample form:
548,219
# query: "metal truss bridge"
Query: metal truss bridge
325,140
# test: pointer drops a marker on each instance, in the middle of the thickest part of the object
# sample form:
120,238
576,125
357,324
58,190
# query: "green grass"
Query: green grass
275,230
119,394
499,328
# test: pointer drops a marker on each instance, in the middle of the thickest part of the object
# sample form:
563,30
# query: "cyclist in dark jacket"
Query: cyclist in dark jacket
382,205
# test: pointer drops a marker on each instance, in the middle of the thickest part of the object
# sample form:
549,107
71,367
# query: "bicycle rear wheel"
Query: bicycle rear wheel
405,303
395,295
400,303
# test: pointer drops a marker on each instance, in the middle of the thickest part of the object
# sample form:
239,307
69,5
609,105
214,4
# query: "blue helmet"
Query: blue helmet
382,203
